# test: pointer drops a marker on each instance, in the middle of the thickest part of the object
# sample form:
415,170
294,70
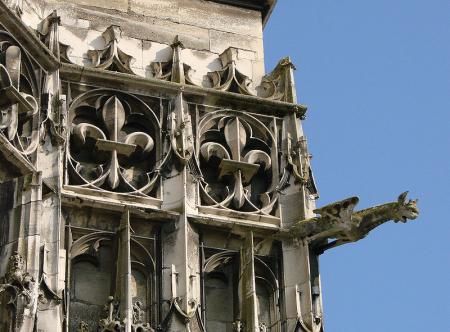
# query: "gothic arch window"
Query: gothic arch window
224,292
97,280
220,290
267,297
143,284
140,291
91,279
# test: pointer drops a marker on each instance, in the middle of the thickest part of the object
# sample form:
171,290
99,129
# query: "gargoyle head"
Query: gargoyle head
406,209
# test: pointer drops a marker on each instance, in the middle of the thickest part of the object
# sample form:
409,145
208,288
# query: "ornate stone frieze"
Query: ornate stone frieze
111,57
114,143
277,85
238,160
19,106
338,221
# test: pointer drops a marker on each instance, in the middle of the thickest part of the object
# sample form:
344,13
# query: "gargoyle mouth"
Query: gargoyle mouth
410,216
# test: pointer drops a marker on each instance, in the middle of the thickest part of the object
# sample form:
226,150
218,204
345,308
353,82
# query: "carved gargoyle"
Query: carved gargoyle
21,288
340,224
18,278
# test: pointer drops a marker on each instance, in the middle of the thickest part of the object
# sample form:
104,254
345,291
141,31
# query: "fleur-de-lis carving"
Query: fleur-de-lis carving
237,164
17,104
110,150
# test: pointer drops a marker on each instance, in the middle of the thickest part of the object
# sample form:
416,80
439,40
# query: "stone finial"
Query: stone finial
228,56
112,33
111,57
177,42
229,78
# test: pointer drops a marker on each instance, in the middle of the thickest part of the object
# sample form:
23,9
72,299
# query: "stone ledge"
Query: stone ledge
71,197
11,154
237,226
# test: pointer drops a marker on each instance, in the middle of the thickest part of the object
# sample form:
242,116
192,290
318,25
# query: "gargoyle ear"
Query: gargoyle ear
402,198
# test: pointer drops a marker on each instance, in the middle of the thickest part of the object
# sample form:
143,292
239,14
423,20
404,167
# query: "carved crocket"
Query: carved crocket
339,224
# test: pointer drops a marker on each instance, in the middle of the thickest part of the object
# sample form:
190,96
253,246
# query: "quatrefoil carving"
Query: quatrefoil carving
112,144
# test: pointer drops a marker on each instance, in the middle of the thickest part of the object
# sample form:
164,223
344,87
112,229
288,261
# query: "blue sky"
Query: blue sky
376,78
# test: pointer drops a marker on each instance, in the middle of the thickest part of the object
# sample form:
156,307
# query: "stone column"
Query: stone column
180,241
124,272
302,298
20,247
249,314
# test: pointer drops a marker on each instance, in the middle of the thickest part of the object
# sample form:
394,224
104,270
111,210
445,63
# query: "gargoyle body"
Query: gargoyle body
339,224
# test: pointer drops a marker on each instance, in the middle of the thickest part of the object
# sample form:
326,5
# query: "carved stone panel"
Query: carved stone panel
114,144
238,161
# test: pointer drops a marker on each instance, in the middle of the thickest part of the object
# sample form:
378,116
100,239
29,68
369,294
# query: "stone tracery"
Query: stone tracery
18,97
114,144
239,163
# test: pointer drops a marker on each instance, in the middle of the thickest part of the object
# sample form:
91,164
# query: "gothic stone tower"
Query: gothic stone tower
153,177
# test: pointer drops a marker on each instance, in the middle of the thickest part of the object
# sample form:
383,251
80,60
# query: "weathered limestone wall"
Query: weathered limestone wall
148,27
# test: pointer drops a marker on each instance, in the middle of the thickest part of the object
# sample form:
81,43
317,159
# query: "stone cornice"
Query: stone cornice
264,6
77,200
206,96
